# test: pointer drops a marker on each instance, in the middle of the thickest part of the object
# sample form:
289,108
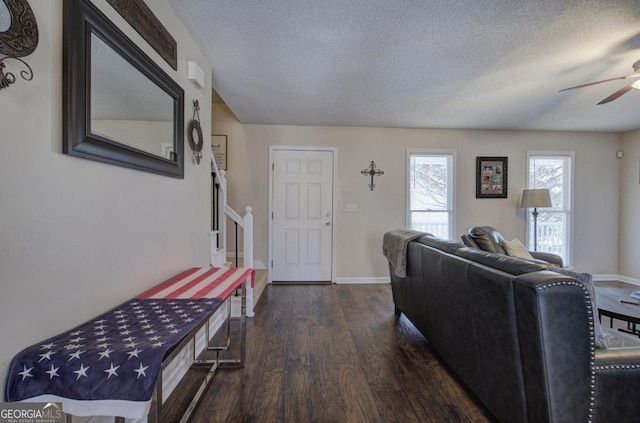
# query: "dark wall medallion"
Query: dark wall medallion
18,38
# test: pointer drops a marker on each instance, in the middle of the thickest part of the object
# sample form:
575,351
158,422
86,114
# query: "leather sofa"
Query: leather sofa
519,335
487,238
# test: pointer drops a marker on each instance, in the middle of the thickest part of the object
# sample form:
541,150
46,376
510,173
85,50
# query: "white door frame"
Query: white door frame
334,150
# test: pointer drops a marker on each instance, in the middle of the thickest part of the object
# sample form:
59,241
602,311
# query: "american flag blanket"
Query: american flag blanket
109,365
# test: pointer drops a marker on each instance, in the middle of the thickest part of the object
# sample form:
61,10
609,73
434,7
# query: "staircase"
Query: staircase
223,214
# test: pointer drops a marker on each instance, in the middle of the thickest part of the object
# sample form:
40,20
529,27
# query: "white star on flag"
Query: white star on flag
53,372
141,371
72,346
111,371
46,355
103,345
133,353
82,371
47,346
25,373
75,355
105,353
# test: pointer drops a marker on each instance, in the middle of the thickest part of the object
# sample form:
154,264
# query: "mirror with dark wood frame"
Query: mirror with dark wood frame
119,106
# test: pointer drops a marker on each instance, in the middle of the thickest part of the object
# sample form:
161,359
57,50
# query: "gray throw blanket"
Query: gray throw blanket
394,248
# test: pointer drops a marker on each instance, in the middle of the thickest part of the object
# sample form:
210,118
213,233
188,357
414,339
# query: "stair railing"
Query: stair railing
221,212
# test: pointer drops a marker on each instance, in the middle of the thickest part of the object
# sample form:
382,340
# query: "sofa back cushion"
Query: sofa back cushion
441,244
511,265
496,345
487,238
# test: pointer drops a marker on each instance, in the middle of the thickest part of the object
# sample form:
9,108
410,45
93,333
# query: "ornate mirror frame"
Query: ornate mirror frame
81,20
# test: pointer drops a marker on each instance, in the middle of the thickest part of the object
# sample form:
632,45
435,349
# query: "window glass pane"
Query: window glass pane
549,173
430,180
553,223
428,183
551,232
436,223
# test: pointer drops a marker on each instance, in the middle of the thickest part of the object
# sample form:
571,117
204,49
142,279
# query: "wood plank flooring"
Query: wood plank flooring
336,353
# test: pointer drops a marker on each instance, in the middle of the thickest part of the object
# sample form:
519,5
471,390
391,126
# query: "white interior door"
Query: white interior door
302,220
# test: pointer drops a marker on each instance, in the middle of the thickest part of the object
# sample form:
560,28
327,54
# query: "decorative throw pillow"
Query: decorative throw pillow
516,249
587,281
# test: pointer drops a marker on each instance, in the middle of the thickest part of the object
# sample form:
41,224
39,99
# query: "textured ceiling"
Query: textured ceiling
421,64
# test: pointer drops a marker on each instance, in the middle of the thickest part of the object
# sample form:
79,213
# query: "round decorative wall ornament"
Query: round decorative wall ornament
195,133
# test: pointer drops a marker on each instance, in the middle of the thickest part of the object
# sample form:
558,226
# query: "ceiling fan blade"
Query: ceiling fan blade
600,82
617,94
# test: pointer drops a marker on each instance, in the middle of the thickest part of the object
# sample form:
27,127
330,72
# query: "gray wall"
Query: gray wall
78,237
629,256
359,236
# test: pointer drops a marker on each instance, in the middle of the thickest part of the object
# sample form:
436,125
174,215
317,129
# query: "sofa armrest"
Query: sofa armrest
548,257
556,346
617,380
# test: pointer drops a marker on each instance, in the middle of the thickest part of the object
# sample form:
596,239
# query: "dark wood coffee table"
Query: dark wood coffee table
609,305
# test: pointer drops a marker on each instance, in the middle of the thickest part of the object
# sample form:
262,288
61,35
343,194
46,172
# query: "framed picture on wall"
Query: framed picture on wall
219,149
491,177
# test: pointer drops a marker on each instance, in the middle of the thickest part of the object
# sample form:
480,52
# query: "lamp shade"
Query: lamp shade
535,198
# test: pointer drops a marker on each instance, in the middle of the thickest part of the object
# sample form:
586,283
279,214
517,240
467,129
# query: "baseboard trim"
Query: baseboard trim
363,280
627,279
606,277
620,278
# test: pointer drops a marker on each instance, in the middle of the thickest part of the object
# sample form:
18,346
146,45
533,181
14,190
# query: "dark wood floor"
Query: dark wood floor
336,353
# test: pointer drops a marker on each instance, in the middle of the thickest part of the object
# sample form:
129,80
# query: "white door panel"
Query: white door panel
302,215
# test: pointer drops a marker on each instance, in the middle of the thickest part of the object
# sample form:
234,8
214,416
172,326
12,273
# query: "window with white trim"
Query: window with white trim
552,170
430,191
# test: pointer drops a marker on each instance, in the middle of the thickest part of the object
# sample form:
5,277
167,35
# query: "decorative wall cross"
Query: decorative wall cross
372,171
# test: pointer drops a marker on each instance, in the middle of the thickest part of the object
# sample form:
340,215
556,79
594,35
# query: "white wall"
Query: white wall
628,262
78,237
359,235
